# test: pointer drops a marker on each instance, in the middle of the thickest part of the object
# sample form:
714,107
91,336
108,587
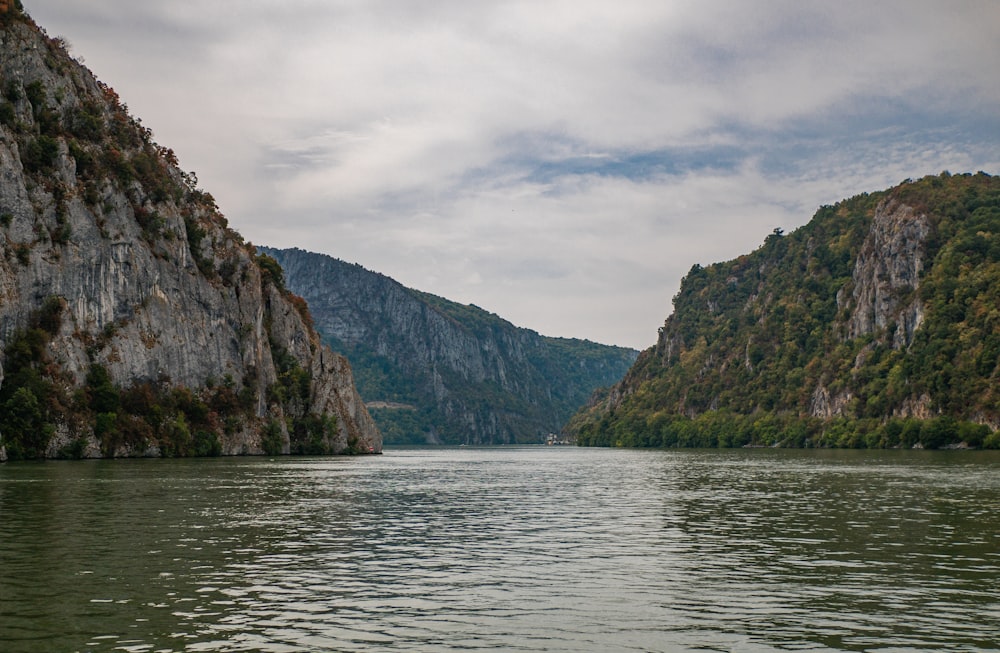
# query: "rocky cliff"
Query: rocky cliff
439,372
887,274
133,320
876,324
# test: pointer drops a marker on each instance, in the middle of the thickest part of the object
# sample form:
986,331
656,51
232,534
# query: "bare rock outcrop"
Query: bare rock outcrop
887,274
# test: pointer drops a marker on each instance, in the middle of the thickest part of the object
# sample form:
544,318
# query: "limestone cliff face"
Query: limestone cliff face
442,372
112,260
882,297
887,275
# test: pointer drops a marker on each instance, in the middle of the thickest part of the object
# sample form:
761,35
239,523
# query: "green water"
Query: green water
526,549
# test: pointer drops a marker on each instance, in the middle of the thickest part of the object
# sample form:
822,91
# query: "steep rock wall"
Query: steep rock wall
142,278
887,274
882,298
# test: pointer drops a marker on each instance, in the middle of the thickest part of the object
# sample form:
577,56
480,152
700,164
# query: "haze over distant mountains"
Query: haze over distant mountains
434,371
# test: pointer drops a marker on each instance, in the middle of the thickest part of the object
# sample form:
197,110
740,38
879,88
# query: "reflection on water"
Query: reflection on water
530,549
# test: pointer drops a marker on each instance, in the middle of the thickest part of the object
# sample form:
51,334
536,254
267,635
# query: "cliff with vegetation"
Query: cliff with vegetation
433,371
133,320
875,325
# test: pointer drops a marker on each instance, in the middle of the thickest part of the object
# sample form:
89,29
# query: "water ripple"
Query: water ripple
533,549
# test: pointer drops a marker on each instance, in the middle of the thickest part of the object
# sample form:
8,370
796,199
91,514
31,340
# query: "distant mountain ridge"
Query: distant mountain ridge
877,324
434,371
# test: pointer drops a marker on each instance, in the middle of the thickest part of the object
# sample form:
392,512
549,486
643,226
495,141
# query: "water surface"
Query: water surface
514,549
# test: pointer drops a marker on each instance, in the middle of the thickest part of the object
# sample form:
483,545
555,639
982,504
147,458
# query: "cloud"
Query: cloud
560,163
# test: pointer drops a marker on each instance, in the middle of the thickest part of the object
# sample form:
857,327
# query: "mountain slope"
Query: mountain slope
876,324
133,321
435,371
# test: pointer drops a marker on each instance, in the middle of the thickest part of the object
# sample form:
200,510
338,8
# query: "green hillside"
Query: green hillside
877,324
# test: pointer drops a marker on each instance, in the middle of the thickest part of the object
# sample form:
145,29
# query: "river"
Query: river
510,549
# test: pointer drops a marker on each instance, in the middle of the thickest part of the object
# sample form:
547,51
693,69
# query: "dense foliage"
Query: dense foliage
754,342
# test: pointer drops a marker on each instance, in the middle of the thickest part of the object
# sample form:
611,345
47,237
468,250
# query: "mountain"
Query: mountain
875,325
133,320
433,371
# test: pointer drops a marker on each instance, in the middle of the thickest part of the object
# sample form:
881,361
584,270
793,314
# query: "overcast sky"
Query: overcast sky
561,163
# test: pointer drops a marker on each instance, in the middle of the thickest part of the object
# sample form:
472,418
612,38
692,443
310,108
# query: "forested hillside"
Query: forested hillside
877,324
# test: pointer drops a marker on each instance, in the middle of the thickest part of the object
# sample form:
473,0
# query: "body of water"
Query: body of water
513,549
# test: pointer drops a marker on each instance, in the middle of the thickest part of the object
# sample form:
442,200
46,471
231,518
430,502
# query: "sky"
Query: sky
561,163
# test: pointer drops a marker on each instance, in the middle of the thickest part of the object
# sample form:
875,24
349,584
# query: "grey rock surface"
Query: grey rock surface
153,285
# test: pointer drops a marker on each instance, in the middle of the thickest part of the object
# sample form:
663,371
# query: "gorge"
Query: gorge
438,372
